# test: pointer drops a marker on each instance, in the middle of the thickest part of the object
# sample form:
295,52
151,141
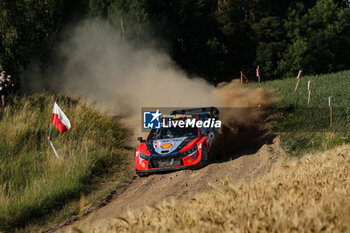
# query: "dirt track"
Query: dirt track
148,191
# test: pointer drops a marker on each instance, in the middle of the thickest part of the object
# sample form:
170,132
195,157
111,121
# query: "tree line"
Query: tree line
215,39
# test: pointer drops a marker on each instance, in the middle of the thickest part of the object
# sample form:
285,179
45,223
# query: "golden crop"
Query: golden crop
311,194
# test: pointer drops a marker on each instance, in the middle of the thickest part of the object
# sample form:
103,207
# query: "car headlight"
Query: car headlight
144,156
189,151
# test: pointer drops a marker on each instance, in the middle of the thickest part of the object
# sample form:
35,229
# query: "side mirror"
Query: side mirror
140,139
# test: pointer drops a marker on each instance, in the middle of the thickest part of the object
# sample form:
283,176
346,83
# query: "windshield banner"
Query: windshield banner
156,118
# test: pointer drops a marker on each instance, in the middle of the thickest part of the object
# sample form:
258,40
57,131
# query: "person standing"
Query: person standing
10,88
2,76
2,90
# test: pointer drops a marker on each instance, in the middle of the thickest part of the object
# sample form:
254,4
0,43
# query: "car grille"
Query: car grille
166,162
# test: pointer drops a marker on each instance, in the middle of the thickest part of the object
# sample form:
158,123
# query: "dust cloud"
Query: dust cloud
104,68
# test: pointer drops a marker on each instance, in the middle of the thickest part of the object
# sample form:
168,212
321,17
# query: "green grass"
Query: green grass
33,182
306,128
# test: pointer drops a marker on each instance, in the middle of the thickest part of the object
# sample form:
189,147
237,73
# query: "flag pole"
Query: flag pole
309,89
50,142
330,111
53,148
60,121
49,138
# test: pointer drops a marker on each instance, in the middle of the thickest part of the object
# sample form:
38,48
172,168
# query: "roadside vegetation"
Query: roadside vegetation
33,182
305,128
310,194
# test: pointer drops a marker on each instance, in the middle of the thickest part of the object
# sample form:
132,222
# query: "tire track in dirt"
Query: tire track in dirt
183,185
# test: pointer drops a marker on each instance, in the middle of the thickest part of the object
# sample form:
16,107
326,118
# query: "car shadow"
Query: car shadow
243,150
232,144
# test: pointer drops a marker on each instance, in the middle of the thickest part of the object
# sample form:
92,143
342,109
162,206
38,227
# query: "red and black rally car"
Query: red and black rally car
173,148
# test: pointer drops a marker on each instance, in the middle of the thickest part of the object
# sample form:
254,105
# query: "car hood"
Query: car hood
166,146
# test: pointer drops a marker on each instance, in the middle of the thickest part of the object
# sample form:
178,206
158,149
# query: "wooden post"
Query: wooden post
330,111
296,87
298,77
258,73
309,89
241,77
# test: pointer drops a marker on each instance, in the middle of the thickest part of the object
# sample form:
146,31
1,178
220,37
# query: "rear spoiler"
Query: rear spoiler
214,112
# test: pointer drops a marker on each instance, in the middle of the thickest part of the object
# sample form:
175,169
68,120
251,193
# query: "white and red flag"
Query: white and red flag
59,119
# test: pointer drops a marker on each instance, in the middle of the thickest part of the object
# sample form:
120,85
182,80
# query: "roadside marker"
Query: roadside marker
309,89
298,78
246,79
241,77
330,111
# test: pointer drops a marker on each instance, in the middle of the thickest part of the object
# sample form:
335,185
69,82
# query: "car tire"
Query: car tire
205,155
205,158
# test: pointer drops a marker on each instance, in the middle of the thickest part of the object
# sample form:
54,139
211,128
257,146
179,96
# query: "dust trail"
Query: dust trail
101,66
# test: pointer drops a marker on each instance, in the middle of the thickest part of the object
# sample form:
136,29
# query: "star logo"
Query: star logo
156,115
151,120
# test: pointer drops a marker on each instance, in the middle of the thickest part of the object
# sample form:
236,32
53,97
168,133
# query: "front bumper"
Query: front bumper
165,169
166,163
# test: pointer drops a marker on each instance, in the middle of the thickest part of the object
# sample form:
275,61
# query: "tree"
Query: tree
98,8
319,40
211,38
235,26
270,36
30,29
129,17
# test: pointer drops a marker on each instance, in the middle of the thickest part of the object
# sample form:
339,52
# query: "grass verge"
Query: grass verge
33,182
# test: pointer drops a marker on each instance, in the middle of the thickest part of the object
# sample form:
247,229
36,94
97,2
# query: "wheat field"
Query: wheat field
311,194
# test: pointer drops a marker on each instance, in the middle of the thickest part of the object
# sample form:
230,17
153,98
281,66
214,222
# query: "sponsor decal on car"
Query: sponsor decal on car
166,146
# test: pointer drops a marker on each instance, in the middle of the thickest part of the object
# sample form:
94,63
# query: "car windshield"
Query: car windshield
173,132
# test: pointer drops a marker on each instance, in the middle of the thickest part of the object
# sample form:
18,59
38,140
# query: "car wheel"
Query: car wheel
205,155
205,158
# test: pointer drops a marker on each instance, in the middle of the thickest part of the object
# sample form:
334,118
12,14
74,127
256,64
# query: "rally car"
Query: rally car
174,148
